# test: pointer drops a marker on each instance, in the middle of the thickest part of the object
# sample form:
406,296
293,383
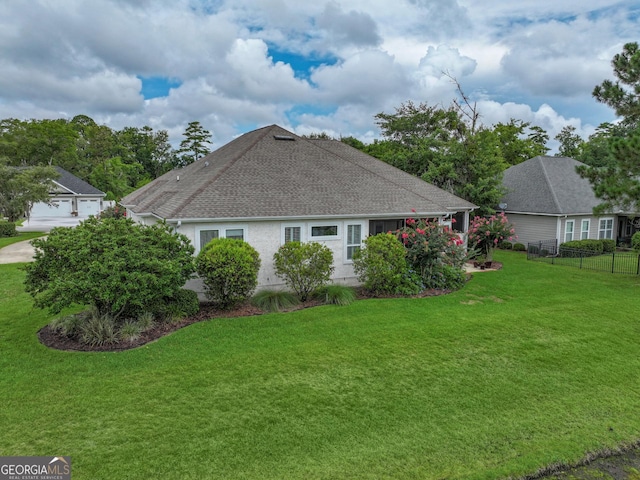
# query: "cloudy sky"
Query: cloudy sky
309,66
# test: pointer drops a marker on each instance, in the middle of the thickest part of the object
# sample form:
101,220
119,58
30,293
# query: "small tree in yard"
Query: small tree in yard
229,269
304,266
486,233
119,268
435,252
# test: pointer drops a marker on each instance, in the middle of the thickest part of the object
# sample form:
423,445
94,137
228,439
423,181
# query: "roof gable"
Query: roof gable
271,172
72,184
548,185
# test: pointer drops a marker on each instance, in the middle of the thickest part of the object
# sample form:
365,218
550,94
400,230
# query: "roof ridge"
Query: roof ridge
549,184
228,165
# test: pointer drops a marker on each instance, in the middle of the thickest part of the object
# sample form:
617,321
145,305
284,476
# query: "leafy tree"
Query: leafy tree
194,145
623,95
304,266
119,268
519,141
617,180
229,269
21,187
571,144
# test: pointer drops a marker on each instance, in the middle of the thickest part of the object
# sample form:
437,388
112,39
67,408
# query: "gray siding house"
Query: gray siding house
270,186
548,200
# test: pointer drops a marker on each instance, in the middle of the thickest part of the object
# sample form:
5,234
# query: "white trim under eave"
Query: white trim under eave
301,218
590,214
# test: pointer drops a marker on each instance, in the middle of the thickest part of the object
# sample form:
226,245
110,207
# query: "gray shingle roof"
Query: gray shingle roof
258,175
548,185
74,184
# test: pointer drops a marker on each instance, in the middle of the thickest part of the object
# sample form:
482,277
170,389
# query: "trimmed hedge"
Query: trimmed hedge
8,229
519,247
635,241
590,245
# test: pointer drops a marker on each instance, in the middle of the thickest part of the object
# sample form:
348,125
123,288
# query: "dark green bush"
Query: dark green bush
635,241
274,300
229,269
505,245
519,247
304,267
589,245
608,246
183,303
382,267
8,229
120,268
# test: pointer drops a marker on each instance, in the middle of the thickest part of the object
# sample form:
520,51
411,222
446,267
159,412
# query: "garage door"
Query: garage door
58,208
88,207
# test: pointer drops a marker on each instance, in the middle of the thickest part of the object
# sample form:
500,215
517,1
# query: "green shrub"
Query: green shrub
69,325
635,241
8,229
519,247
447,277
381,265
120,268
229,269
274,300
304,267
589,245
505,245
183,303
608,246
336,294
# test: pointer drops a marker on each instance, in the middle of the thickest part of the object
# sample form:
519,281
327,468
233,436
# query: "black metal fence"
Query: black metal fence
624,262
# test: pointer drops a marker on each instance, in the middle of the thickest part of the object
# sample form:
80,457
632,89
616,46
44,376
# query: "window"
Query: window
324,231
354,240
292,234
206,236
606,229
568,230
584,229
235,233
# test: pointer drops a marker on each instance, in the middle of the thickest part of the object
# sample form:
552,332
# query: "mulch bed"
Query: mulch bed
207,311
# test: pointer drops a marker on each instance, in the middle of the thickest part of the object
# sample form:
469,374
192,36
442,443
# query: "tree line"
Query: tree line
449,147
114,161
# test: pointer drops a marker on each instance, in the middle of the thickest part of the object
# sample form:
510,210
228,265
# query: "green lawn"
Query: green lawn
5,241
524,367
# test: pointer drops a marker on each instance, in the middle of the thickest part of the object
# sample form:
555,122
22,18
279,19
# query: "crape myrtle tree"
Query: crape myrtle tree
120,268
617,182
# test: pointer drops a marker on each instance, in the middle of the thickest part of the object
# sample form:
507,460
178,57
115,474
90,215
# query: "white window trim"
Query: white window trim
566,230
600,229
222,229
346,239
582,230
291,225
338,236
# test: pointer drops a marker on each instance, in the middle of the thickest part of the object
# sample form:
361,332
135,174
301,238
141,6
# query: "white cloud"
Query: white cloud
537,61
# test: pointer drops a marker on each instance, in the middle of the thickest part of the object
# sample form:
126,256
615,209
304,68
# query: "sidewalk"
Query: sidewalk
17,252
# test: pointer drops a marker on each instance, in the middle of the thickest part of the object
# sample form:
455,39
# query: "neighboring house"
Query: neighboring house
548,200
270,186
69,197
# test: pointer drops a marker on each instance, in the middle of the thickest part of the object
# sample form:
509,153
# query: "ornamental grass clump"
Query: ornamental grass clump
486,233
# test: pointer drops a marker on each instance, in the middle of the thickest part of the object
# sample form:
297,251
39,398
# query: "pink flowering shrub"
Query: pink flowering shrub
486,233
435,252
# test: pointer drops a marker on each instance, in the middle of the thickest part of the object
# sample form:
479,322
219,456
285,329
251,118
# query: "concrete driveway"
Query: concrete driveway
45,224
24,251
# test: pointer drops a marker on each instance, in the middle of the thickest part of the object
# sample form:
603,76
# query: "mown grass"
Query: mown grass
22,236
524,367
